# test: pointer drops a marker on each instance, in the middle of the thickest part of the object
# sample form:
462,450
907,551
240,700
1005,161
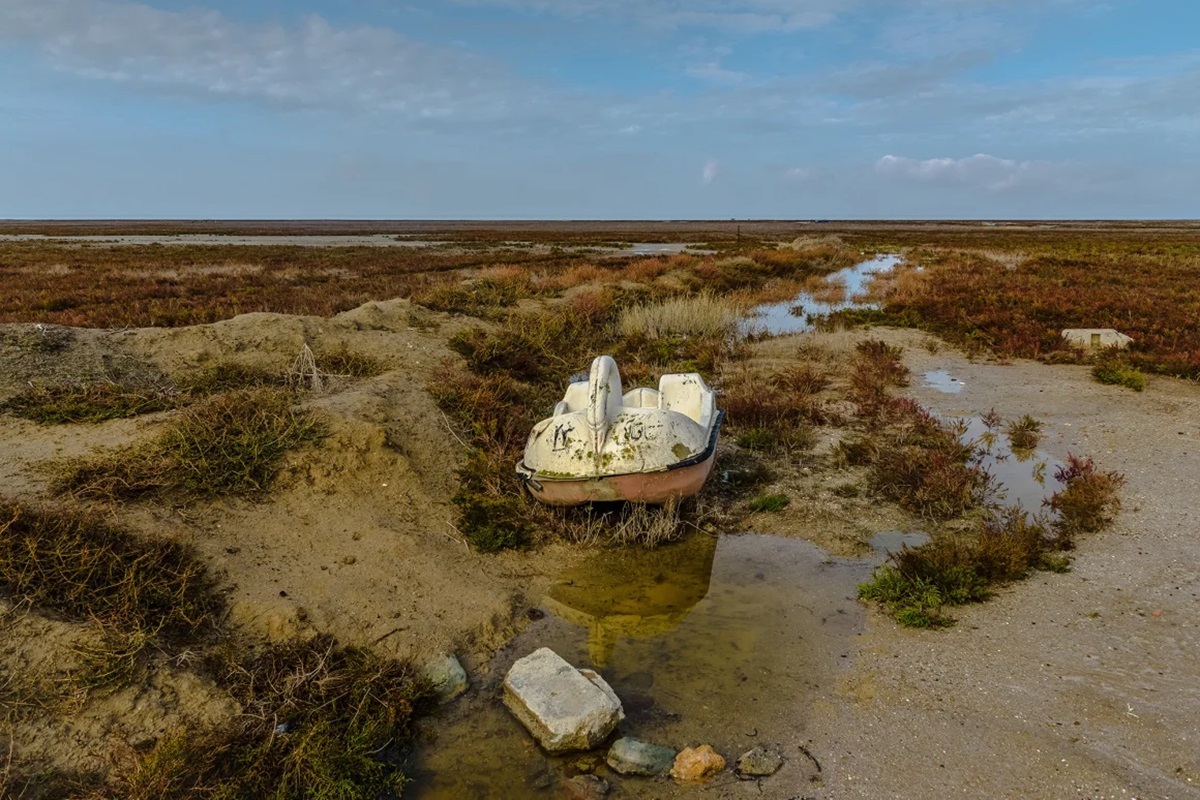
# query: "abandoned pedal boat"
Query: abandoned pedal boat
644,446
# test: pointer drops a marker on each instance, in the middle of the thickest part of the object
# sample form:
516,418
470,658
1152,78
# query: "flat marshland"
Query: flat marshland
248,490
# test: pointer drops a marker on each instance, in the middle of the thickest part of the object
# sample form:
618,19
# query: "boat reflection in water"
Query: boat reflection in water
633,593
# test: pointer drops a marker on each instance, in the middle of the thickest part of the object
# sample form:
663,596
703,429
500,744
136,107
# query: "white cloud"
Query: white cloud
797,174
741,16
709,173
713,71
980,170
309,63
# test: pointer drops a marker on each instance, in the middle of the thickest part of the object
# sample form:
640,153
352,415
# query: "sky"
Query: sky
599,109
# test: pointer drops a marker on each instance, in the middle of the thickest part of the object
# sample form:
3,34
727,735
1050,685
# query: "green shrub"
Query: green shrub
918,582
770,502
1088,502
492,514
757,439
1119,373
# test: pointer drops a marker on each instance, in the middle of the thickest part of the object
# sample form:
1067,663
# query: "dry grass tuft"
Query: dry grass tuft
703,316
319,722
627,524
76,564
96,402
228,444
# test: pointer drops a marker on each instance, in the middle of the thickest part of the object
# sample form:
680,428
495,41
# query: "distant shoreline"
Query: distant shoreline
686,228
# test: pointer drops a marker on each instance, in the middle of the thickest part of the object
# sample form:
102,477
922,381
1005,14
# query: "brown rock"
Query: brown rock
697,764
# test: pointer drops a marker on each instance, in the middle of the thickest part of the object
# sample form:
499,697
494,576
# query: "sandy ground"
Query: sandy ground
1084,684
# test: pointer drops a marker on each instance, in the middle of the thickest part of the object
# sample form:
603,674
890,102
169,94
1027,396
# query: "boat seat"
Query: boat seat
576,399
640,398
687,394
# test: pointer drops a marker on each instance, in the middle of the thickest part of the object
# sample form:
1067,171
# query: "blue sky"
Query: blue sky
617,109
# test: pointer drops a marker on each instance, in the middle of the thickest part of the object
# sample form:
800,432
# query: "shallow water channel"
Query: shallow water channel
720,640
796,315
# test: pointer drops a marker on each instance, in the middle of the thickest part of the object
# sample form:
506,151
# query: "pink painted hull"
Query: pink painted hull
652,488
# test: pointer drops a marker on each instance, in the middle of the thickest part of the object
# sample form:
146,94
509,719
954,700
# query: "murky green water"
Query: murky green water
704,641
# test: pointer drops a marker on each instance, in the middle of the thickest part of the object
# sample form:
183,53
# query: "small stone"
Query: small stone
697,763
758,763
448,677
586,787
632,757
348,560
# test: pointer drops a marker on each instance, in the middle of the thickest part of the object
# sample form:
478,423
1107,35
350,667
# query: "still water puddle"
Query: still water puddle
1023,477
943,382
707,640
796,315
895,541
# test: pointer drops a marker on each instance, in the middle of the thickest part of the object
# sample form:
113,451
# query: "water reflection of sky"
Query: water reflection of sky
1023,477
793,315
943,381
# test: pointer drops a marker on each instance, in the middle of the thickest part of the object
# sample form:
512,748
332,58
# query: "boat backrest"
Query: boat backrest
576,398
689,395
604,393
641,398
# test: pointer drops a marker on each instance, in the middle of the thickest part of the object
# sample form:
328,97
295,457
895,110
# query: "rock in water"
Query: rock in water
697,764
631,757
586,787
448,677
565,709
758,763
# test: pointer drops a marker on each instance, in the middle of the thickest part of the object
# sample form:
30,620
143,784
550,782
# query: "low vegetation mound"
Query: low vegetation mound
227,444
97,402
318,722
917,583
77,564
